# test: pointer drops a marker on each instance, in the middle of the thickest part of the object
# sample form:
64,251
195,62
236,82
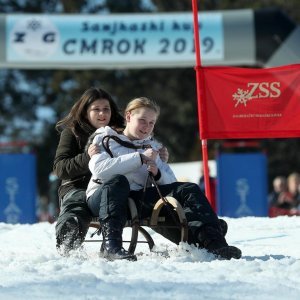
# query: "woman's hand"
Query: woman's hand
93,149
164,154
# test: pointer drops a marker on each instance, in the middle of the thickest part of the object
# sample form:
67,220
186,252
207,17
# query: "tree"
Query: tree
26,92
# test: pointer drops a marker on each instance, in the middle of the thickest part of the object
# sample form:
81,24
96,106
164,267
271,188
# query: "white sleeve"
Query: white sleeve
102,166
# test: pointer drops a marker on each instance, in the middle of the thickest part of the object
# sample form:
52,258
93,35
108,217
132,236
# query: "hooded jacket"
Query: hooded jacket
71,162
125,161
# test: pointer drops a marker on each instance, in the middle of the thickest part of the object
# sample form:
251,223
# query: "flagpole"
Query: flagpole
197,69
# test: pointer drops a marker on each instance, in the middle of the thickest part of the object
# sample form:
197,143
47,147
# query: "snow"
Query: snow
269,268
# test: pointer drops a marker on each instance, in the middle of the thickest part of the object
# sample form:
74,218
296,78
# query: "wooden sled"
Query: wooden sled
155,222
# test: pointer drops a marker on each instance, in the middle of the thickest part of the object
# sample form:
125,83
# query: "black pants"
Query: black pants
195,205
110,200
72,205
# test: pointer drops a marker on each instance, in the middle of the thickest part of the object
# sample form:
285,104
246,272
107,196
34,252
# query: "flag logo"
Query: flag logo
256,90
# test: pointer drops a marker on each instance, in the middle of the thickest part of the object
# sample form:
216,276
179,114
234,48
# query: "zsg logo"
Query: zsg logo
34,38
257,91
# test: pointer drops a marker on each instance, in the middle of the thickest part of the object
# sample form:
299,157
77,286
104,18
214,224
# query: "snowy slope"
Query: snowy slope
269,269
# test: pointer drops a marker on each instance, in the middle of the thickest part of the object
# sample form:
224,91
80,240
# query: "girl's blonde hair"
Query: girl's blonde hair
142,102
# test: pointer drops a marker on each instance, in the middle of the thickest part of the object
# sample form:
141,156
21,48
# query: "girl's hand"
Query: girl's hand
150,154
164,154
151,167
93,149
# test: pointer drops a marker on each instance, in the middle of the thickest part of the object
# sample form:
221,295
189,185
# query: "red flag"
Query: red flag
250,103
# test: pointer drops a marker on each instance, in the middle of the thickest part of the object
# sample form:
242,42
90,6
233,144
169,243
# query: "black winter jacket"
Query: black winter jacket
71,162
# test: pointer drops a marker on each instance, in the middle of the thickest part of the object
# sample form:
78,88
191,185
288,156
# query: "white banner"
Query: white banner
122,39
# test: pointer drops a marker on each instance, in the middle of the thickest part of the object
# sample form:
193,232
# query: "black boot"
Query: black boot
68,238
111,247
212,239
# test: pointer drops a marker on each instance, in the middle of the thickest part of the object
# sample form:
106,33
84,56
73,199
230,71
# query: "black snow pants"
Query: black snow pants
73,205
195,205
110,200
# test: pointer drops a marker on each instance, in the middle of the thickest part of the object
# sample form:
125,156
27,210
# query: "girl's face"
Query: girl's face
140,123
99,113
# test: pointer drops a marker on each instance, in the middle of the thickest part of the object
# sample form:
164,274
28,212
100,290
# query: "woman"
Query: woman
125,154
93,110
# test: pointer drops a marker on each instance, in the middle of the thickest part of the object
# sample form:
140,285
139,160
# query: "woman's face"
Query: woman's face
140,123
99,113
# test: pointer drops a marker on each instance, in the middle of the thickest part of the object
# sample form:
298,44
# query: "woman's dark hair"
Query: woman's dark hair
77,117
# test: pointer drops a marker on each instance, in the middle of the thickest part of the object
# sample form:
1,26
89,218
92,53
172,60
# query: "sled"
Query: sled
158,222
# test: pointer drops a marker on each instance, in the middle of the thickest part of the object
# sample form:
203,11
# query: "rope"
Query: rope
105,144
167,204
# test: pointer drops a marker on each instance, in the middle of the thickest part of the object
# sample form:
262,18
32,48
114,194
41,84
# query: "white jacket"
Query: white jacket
125,161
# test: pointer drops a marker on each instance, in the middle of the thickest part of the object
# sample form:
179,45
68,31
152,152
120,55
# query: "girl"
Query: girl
133,154
93,110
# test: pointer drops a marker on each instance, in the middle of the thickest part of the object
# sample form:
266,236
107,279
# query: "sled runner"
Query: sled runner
157,222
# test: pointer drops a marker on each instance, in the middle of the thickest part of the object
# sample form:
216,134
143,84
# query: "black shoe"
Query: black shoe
119,254
111,247
227,252
214,242
223,227
222,250
68,238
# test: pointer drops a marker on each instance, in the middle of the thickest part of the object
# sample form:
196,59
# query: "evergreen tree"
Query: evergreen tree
25,93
